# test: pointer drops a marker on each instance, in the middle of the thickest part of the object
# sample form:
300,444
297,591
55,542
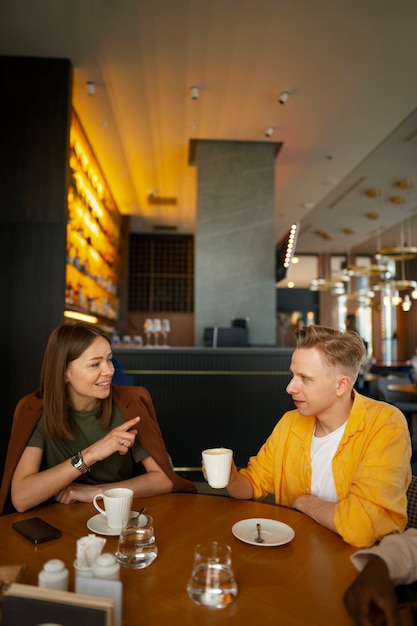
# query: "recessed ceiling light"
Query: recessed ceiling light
194,92
323,234
397,200
404,184
373,192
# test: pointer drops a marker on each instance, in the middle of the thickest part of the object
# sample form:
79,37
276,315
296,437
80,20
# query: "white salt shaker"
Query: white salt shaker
54,575
106,566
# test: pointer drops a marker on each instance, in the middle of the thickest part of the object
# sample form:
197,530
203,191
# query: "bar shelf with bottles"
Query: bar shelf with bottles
93,234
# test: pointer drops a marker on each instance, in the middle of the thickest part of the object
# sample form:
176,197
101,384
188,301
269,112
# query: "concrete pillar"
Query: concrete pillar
235,240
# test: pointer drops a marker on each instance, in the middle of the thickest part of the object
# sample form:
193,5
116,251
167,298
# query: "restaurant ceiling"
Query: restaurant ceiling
349,123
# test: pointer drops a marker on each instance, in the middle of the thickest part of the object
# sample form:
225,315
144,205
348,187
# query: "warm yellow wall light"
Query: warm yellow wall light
82,317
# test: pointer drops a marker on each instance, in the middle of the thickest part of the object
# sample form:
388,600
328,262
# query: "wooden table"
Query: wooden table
385,369
296,584
403,388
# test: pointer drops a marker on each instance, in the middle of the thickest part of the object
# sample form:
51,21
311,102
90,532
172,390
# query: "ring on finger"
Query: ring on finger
122,443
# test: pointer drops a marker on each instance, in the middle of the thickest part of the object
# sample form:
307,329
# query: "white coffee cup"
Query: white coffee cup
217,463
117,506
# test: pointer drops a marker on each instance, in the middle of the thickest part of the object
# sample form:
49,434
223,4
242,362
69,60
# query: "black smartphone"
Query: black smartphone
36,530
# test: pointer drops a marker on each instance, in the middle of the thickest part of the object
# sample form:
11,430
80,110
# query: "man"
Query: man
371,598
339,457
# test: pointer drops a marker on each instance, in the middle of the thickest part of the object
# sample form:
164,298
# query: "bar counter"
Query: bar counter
206,397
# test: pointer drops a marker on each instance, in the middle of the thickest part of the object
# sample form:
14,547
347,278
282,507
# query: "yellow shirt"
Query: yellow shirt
371,469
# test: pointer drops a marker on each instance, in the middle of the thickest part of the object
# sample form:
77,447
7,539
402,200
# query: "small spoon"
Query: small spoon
137,517
259,539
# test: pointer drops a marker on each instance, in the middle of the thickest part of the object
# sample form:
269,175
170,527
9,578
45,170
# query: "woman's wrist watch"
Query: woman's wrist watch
77,461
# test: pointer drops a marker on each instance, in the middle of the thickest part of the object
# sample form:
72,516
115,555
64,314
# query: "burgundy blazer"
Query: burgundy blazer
131,402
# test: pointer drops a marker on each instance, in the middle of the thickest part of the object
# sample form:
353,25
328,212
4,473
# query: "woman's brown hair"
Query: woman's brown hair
66,343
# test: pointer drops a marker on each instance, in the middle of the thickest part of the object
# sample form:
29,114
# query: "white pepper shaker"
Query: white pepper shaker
54,575
106,566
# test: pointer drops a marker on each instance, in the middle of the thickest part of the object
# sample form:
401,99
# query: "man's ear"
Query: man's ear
344,384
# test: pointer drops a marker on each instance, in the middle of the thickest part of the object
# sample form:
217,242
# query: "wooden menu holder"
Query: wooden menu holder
27,605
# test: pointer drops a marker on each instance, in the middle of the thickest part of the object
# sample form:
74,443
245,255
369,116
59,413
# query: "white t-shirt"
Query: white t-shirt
322,452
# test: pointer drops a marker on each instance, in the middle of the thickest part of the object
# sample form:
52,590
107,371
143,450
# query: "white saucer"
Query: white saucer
97,524
272,532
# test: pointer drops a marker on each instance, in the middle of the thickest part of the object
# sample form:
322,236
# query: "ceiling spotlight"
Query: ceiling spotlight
398,200
269,131
283,97
91,87
404,184
373,192
194,92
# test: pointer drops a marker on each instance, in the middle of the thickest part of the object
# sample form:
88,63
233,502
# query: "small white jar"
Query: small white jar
54,575
106,566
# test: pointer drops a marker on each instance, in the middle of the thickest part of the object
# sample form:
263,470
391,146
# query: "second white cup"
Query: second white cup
217,463
117,506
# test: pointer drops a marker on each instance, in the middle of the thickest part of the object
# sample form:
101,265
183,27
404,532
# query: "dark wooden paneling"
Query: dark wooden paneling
207,398
34,120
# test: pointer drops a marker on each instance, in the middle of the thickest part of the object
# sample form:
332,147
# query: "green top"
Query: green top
86,429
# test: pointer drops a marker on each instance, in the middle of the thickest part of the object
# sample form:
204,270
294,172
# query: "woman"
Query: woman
79,435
